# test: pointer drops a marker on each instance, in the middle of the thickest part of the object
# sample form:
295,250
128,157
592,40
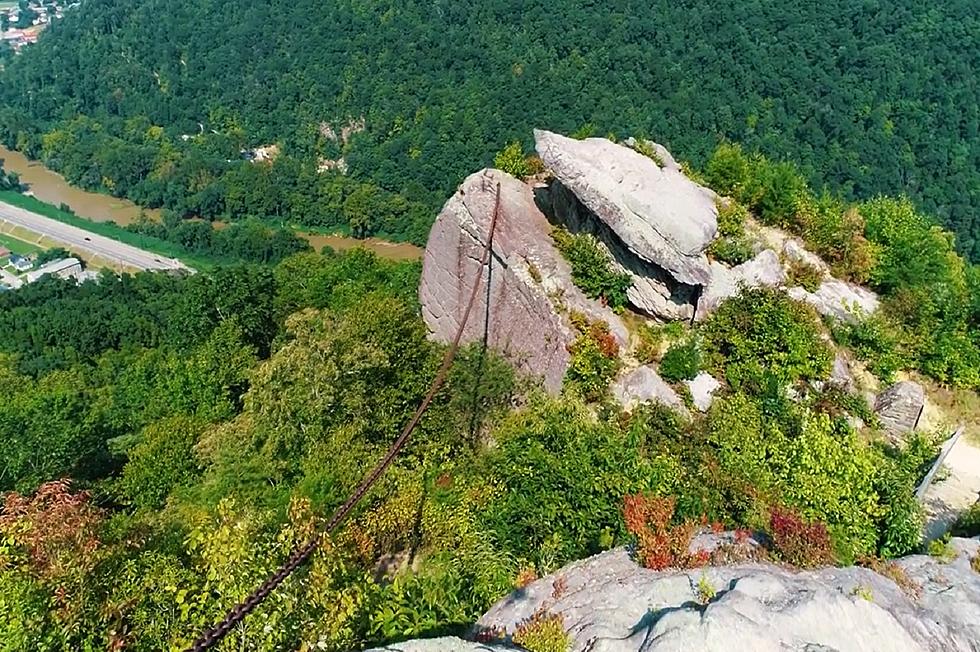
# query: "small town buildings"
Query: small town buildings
62,268
20,263
8,281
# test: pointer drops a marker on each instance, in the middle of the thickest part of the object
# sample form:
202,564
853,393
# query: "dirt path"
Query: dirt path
956,490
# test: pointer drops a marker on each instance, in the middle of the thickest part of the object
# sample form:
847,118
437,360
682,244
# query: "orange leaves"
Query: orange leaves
660,545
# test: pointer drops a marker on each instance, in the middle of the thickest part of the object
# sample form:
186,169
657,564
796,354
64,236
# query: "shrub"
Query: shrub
580,469
732,250
653,338
798,542
512,161
543,632
805,275
681,362
591,268
763,332
659,544
732,246
594,362
941,550
705,590
968,523
162,459
878,342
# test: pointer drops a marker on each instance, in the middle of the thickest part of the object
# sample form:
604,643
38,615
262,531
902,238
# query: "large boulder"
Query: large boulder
660,215
609,604
530,290
763,270
899,407
644,385
653,291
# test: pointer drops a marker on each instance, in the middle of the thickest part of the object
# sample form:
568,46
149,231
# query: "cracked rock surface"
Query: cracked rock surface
527,284
659,214
608,603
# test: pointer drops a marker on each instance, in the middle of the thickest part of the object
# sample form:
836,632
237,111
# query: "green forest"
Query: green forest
156,100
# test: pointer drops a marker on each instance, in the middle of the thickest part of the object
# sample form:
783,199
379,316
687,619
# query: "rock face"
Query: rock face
529,290
763,270
840,374
609,604
660,215
842,301
644,385
703,388
899,407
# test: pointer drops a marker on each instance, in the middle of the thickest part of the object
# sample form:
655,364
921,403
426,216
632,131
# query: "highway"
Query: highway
82,241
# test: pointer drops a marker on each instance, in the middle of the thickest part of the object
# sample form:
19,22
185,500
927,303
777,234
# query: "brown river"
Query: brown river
51,188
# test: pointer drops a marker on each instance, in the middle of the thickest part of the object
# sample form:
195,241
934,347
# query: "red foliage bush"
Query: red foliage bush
799,542
658,544
599,332
55,528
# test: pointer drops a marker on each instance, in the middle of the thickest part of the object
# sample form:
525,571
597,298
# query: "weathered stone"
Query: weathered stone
530,287
793,249
703,388
661,216
445,644
644,385
899,407
609,604
763,270
840,374
839,300
652,291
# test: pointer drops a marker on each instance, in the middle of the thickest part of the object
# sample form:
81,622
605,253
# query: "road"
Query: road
83,241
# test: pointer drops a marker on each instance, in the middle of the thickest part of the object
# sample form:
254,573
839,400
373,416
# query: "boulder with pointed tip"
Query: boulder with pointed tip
527,285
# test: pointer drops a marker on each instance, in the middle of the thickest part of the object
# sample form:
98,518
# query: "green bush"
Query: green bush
513,161
761,333
805,275
594,362
591,268
878,342
968,523
562,477
681,362
161,460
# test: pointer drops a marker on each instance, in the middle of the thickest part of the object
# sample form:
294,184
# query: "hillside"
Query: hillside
166,441
867,97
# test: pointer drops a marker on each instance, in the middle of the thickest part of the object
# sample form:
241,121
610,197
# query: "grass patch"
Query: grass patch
109,230
18,246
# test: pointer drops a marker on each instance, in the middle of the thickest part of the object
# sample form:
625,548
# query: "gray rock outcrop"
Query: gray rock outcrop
763,270
899,407
609,604
652,290
839,300
793,249
660,215
644,385
840,374
703,388
530,288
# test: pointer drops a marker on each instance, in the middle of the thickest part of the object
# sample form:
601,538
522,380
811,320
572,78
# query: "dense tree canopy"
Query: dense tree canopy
867,97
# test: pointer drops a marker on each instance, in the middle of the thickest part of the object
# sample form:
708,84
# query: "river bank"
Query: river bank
51,188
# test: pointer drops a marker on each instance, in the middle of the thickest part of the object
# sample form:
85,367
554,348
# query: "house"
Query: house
8,281
62,268
20,263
